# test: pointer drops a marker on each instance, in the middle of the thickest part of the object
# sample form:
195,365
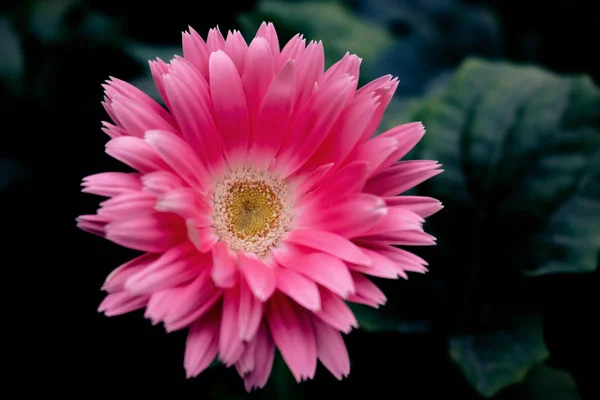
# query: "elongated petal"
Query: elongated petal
236,48
93,224
128,205
229,102
329,243
152,232
250,312
186,203
121,303
196,51
264,353
260,277
137,118
274,115
401,177
293,333
257,76
267,31
231,346
160,182
111,184
367,292
201,345
190,101
406,136
331,349
335,312
179,156
224,272
136,153
178,265
324,269
116,279
420,205
302,290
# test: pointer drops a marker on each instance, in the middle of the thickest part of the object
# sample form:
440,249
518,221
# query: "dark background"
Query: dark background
55,55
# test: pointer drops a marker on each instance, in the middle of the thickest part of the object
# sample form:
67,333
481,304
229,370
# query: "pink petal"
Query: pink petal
317,118
236,48
116,87
406,136
385,91
267,31
121,303
349,64
174,303
420,205
274,116
158,68
382,267
111,183
128,205
172,326
186,203
201,345
305,183
291,50
229,102
224,272
258,74
343,182
404,238
196,51
174,267
137,118
401,177
331,349
190,102
160,182
366,290
374,151
152,232
215,40
405,260
245,364
203,238
396,219
116,279
250,312
335,312
231,346
260,277
136,153
324,269
113,131
93,224
350,218
310,69
293,333
329,243
179,156
346,132
264,353
302,290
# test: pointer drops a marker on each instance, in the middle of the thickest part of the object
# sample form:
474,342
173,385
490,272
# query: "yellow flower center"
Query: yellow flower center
251,210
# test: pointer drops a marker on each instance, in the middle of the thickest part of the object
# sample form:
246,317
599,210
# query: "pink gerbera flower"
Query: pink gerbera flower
260,200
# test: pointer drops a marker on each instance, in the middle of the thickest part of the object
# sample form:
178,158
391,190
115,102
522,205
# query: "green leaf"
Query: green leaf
521,152
338,28
543,382
383,320
491,361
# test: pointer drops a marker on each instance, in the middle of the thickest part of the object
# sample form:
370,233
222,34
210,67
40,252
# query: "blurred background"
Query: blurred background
508,92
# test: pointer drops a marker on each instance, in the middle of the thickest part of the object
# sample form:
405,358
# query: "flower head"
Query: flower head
260,199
